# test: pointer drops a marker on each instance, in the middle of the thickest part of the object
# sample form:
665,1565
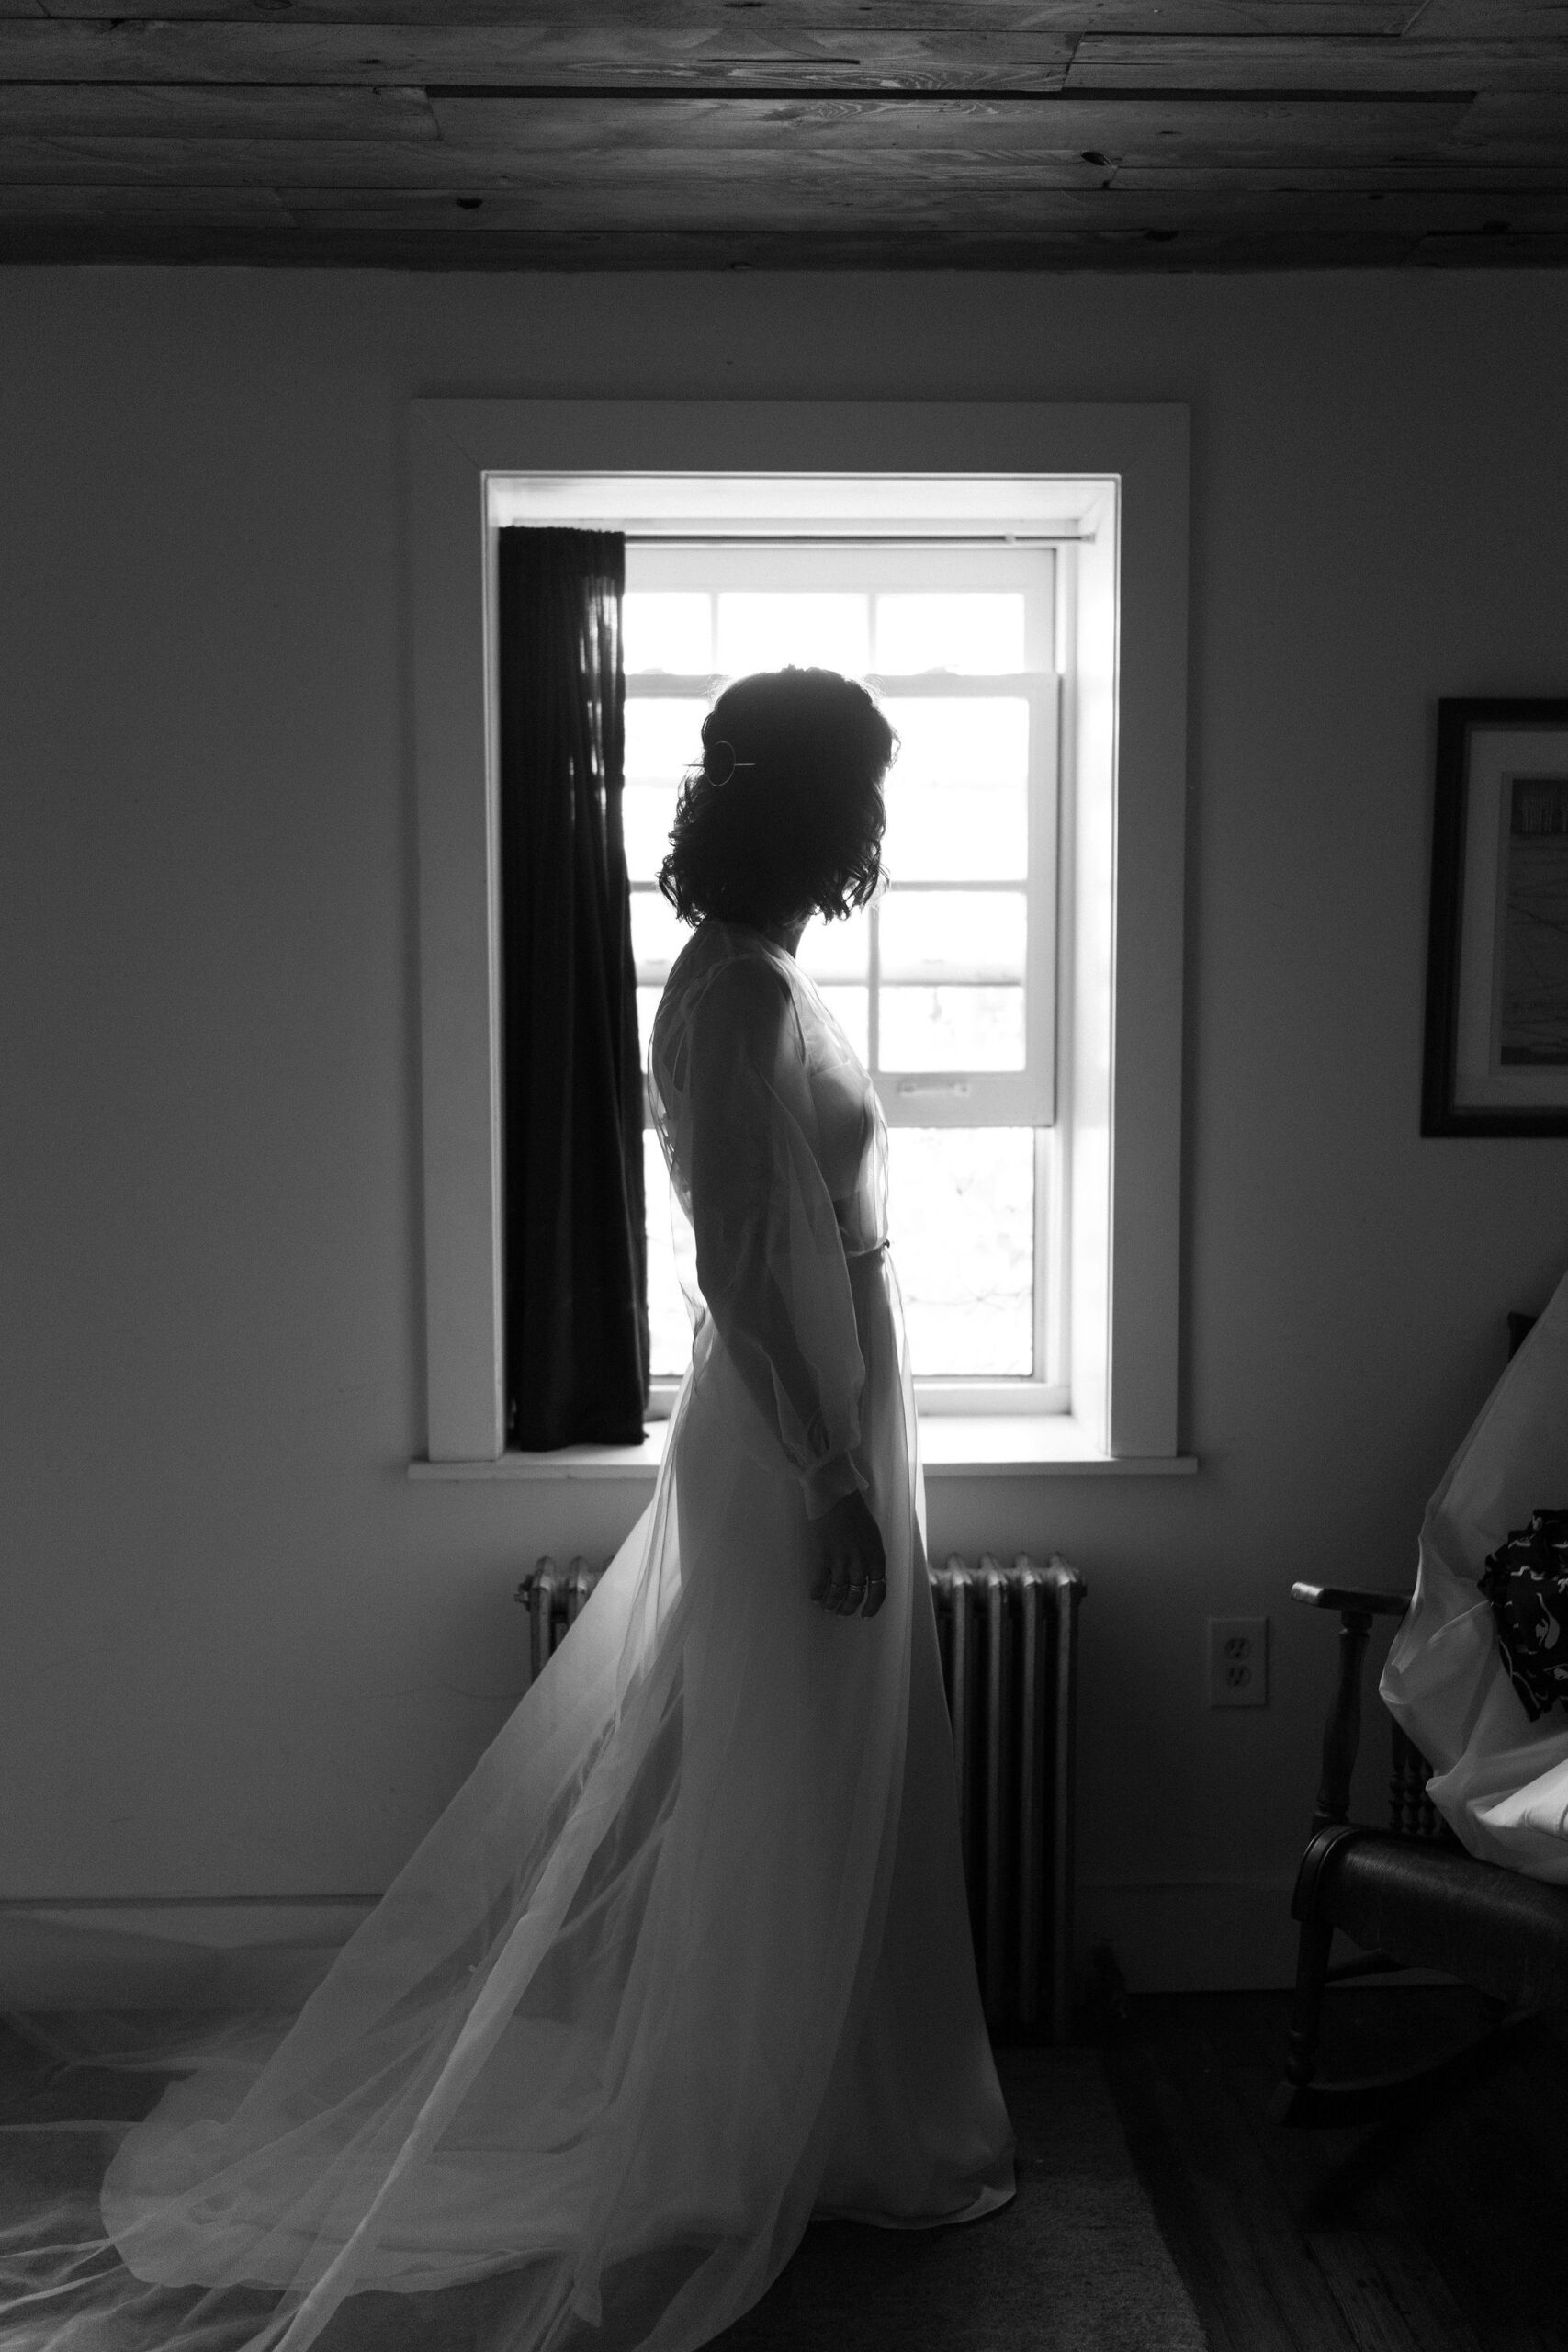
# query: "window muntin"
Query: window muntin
946,985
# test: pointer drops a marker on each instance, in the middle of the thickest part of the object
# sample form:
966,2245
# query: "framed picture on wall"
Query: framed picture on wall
1496,1051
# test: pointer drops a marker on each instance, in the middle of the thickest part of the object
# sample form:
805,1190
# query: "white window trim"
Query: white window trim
1115,478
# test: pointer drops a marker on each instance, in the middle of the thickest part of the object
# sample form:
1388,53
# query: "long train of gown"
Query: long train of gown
687,1958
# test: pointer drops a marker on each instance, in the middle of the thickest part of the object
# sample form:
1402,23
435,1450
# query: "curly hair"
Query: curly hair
790,816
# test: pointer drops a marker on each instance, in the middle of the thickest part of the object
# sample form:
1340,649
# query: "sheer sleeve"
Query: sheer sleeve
769,1255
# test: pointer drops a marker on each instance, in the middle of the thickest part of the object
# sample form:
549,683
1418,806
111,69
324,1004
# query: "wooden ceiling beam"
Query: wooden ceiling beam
646,188
1243,179
490,122
194,111
646,181
1006,134
334,245
1530,128
973,22
558,56
1489,19
283,51
1052,213
1117,61
650,178
933,123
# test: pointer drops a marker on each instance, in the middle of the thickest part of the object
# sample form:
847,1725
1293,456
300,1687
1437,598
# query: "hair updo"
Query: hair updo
783,814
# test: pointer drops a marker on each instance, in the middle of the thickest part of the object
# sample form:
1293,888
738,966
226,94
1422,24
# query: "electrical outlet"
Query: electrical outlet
1238,1661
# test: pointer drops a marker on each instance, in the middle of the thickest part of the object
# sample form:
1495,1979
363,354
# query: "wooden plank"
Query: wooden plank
116,49
650,177
431,164
1270,129
1369,178
1499,2248
139,111
980,19
1264,131
1253,2296
1392,2294
205,207
1051,211
748,194
1509,127
1458,2218
1497,19
1157,62
361,245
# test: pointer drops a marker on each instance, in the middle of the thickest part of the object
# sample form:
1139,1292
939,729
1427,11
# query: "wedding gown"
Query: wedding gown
1501,1781
687,1959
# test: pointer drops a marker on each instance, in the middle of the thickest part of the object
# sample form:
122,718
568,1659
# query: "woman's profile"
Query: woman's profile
687,1959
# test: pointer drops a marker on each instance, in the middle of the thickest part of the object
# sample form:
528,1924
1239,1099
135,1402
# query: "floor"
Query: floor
1444,2231
1074,2263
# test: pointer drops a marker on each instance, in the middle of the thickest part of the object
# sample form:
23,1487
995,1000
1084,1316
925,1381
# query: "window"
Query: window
946,985
1010,577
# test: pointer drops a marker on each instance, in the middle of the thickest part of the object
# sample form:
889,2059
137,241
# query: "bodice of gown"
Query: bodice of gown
777,1153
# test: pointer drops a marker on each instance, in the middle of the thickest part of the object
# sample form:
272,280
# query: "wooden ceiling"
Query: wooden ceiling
649,134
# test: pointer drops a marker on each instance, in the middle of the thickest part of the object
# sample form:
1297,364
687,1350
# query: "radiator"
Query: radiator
1009,1644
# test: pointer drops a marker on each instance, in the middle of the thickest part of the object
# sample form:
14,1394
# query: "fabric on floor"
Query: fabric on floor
1074,2264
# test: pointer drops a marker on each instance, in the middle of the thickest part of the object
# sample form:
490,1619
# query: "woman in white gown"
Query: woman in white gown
687,1959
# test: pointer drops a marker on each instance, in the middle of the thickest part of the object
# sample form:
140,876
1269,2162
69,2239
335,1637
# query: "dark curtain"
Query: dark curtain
575,1243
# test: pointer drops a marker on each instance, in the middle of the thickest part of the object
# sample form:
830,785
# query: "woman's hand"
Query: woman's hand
852,1570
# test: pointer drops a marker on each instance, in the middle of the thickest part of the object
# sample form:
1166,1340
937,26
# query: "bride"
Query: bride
687,1959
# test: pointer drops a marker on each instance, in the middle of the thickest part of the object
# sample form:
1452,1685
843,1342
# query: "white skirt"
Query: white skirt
685,1960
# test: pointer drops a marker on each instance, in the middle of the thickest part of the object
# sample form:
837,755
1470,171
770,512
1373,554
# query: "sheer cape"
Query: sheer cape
687,1957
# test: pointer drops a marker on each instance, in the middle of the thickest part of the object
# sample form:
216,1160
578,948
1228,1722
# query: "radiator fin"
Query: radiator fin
1009,1643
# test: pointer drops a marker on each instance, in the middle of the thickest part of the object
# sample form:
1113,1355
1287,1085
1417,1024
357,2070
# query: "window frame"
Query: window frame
1114,481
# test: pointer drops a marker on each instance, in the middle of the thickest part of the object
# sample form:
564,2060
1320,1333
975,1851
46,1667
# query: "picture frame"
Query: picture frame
1495,1060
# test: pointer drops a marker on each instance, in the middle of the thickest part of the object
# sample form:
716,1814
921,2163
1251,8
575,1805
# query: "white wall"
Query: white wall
243,1656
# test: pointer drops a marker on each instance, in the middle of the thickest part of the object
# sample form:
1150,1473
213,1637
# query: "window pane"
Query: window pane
664,737
972,633
976,833
763,630
958,792
664,630
657,936
850,1008
836,950
960,1215
951,1029
668,1325
648,811
953,934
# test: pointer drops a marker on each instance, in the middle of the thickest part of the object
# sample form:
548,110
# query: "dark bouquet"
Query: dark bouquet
1527,1584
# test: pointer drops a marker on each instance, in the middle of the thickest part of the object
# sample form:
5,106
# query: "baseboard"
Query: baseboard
1229,1935
249,1953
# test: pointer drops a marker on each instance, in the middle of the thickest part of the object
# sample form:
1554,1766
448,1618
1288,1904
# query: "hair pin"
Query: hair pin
721,743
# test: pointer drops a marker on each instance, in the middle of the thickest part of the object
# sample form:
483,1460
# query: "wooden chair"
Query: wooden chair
1409,1896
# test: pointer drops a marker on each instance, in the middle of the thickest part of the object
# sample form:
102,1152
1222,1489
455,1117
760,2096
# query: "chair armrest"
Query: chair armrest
1352,1600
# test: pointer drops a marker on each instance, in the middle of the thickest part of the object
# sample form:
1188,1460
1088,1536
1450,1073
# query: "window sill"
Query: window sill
952,1445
